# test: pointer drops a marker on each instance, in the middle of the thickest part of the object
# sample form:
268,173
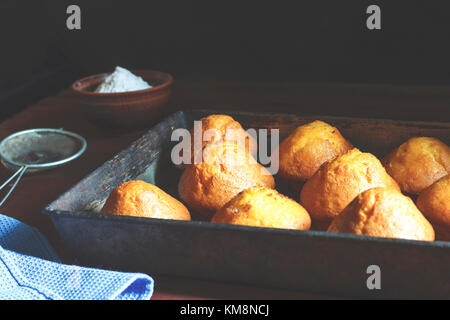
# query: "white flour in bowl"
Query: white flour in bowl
122,80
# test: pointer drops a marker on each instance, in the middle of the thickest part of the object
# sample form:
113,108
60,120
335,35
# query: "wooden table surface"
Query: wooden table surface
37,190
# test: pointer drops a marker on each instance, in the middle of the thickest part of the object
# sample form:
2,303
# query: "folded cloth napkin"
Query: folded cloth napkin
31,270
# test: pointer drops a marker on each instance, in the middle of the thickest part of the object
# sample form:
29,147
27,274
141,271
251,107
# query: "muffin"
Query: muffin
263,207
418,163
225,171
142,199
382,212
303,152
434,203
218,127
339,181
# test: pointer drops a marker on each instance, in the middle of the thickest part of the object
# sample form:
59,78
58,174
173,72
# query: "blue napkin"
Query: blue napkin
31,270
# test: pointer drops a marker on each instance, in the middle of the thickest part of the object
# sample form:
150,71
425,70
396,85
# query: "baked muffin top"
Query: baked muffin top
383,212
339,181
434,202
226,170
220,127
303,152
263,207
418,163
142,199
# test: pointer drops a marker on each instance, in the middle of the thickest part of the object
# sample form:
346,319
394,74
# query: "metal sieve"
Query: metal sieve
38,149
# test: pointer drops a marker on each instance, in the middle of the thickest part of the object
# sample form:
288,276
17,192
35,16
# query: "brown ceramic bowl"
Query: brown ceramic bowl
125,109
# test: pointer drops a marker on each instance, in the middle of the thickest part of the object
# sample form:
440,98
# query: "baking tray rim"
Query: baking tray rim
206,225
434,124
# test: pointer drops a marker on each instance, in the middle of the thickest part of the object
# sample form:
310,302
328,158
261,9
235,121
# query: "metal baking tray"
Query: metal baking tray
313,261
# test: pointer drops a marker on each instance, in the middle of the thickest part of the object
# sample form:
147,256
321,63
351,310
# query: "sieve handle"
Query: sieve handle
18,173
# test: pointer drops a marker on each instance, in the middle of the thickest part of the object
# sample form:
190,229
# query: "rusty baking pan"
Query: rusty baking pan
312,261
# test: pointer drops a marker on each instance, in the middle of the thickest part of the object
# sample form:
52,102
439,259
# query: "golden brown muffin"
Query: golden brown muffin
303,152
339,181
382,212
263,207
225,171
418,163
142,199
219,127
434,203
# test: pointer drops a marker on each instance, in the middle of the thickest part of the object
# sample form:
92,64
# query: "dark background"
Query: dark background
302,41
